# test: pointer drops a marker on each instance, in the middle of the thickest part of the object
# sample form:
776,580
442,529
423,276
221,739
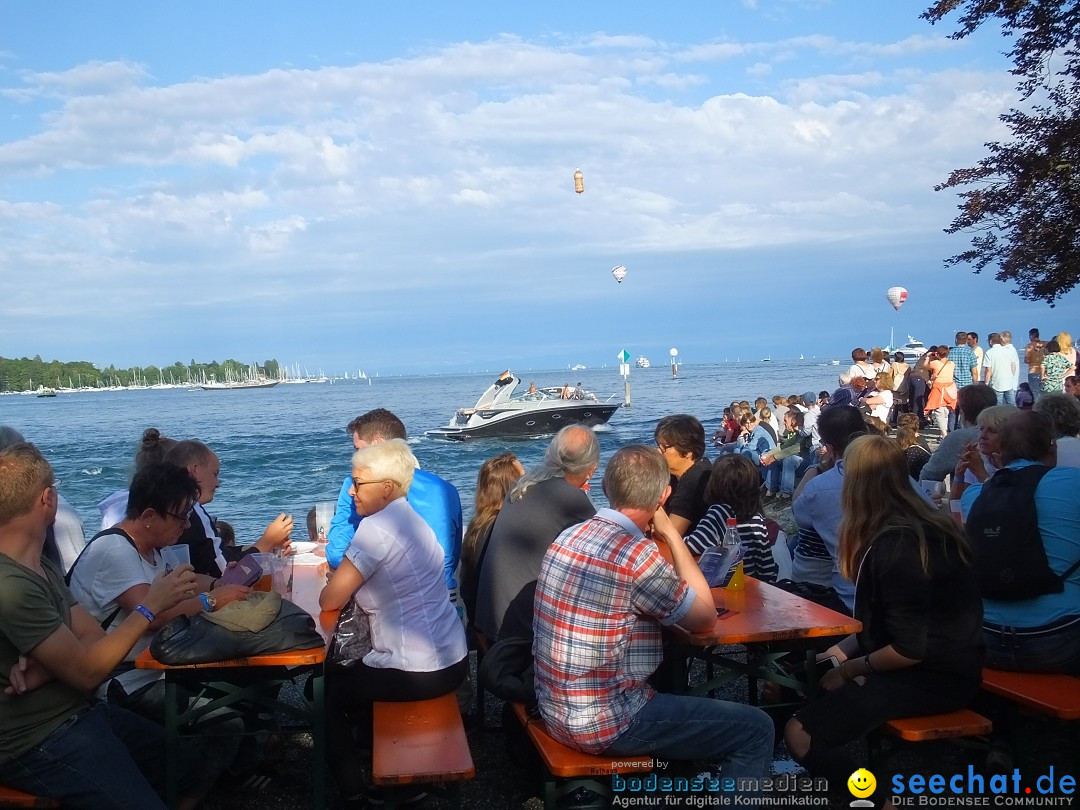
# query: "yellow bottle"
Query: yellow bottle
737,581
731,538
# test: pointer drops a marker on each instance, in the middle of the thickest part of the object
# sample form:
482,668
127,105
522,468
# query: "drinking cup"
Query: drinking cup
282,576
266,563
176,555
324,513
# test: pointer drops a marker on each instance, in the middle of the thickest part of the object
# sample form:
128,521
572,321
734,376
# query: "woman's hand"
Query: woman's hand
169,590
227,594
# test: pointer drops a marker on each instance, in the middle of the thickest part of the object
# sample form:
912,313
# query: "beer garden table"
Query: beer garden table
246,680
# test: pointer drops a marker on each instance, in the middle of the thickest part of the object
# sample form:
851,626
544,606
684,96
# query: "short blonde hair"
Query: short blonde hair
389,460
995,416
24,473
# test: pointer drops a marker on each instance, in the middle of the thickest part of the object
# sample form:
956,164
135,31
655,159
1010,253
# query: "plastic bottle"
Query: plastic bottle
720,563
737,580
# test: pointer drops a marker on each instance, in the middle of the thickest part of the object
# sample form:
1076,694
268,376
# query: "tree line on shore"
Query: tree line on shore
26,374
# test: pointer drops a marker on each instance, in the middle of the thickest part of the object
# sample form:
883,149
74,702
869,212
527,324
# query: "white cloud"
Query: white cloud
450,164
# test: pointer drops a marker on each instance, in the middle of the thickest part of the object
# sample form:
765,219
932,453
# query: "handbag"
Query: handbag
197,640
352,637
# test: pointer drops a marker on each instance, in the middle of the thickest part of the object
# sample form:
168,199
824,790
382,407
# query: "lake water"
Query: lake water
284,448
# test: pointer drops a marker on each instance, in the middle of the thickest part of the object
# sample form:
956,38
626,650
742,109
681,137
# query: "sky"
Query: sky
389,186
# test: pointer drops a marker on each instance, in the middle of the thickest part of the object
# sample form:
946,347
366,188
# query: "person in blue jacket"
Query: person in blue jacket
434,499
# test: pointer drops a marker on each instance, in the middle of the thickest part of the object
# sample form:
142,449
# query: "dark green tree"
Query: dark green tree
1021,203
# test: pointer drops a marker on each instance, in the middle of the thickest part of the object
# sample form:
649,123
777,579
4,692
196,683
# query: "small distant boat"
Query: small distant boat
766,359
499,412
834,362
46,392
801,357
578,367
643,362
229,386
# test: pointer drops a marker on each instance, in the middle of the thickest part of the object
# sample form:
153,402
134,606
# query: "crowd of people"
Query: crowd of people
586,592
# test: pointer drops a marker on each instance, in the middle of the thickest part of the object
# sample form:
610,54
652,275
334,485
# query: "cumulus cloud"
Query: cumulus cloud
437,167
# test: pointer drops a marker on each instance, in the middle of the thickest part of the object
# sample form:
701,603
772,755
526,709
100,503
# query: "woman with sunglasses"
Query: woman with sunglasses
393,573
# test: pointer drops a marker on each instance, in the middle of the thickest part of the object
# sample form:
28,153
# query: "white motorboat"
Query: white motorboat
913,350
643,362
501,411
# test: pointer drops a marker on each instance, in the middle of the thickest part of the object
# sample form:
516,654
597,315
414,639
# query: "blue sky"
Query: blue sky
389,186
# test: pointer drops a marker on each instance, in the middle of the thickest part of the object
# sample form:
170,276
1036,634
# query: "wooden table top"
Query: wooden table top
307,583
762,613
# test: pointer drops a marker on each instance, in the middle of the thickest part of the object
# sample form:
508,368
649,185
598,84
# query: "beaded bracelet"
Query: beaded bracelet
145,612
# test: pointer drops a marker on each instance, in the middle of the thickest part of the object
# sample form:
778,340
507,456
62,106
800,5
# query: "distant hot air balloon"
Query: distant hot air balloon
619,272
897,296
579,181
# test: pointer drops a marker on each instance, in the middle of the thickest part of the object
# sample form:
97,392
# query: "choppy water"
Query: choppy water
284,448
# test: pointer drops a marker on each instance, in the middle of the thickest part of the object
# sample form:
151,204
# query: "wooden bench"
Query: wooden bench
947,726
1045,693
569,769
10,797
961,723
420,743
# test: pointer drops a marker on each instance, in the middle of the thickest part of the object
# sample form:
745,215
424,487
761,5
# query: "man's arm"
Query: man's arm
342,529
82,665
702,613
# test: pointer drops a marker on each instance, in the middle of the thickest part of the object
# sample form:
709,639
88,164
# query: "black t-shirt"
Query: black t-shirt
688,492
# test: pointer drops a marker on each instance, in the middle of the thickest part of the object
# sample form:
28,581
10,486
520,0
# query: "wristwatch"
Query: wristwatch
209,602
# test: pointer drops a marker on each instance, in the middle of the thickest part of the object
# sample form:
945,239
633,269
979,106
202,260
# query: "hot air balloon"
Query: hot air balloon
897,296
579,181
619,272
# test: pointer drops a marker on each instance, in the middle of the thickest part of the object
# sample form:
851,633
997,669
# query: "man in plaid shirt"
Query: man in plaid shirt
603,593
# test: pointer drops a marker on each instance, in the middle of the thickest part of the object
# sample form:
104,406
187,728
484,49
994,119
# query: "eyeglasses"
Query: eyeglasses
357,483
663,448
183,518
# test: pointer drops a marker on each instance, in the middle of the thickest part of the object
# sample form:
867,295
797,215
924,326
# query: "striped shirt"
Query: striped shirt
602,595
758,562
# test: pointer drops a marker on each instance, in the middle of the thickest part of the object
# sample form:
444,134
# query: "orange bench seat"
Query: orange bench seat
10,797
961,723
421,742
1046,693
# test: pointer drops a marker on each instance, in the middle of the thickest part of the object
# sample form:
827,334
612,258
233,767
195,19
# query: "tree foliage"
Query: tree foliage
1022,201
26,374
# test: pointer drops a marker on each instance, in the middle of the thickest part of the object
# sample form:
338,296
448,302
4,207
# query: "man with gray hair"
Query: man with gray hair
546,500
603,595
1063,411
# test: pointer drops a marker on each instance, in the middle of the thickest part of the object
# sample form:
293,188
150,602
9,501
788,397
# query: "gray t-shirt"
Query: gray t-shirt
110,566
31,610
521,535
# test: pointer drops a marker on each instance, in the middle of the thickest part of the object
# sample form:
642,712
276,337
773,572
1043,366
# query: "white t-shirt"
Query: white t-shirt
109,566
1068,452
414,626
882,411
999,360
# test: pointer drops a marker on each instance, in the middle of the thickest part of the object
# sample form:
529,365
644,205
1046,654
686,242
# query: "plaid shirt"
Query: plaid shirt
964,359
603,592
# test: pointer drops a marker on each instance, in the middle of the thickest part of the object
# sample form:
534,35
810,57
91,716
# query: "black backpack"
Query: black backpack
1003,529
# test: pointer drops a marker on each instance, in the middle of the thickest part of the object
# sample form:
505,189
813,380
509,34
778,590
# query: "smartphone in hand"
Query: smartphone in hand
824,665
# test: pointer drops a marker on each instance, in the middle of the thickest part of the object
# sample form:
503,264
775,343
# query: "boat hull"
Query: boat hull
528,423
235,386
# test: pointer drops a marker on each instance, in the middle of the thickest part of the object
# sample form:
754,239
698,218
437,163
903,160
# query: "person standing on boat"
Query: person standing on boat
579,392
436,500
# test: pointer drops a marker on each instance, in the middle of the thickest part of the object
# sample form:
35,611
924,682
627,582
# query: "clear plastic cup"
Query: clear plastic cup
324,513
176,555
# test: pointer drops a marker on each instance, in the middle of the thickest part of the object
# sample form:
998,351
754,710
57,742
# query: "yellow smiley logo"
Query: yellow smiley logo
861,783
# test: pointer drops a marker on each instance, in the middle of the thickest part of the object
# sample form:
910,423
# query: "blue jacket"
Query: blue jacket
759,441
435,500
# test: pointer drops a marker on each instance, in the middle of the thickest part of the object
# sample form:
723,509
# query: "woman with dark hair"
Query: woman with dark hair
943,392
113,574
916,453
920,649
494,480
681,441
734,491
152,447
